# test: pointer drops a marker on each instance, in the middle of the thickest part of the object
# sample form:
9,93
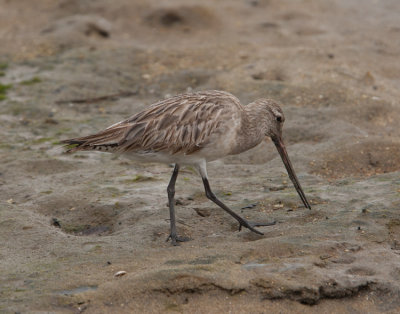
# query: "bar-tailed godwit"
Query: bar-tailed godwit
192,129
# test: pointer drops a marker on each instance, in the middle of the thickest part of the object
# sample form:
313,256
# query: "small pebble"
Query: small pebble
120,273
146,76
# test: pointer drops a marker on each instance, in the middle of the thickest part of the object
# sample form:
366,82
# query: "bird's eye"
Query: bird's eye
279,118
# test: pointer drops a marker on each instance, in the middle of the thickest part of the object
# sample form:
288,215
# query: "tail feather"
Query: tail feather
106,140
73,145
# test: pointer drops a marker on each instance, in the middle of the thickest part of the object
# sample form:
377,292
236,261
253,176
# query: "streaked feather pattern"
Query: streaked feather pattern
181,124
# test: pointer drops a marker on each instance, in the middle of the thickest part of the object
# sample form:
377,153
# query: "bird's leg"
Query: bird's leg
171,203
242,222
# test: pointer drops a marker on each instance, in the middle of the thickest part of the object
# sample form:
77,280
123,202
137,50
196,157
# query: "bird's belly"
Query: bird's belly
162,157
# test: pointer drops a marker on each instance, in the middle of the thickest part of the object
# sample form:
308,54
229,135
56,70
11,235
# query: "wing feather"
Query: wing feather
180,124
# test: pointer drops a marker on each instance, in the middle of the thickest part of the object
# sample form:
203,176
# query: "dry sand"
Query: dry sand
68,223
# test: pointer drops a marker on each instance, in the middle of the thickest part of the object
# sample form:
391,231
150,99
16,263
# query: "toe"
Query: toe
175,239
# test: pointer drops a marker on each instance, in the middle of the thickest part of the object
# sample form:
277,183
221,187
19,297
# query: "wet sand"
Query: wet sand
68,223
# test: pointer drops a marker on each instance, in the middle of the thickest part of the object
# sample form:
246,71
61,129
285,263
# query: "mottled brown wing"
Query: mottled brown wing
180,124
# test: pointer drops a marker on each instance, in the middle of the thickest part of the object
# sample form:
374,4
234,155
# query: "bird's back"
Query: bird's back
183,124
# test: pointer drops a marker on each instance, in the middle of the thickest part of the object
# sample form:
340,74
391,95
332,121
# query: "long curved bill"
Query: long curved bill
280,146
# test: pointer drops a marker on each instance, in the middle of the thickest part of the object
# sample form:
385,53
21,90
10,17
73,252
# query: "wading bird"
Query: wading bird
192,129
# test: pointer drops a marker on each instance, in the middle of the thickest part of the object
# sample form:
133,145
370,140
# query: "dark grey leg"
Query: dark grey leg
171,203
242,222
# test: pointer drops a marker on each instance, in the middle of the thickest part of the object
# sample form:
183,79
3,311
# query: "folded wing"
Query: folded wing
181,124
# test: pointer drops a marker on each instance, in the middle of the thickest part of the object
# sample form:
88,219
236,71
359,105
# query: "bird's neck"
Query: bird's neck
250,133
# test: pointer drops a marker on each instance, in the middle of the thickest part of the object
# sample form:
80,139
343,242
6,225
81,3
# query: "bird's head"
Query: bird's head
272,118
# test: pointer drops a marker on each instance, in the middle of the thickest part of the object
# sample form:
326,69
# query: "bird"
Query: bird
191,129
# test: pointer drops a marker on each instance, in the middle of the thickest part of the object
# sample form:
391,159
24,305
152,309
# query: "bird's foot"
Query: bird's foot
175,239
250,225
